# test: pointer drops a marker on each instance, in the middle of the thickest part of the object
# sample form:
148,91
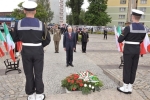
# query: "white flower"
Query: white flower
85,85
86,79
92,87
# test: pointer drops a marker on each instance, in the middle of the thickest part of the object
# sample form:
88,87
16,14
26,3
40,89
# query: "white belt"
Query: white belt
32,44
129,42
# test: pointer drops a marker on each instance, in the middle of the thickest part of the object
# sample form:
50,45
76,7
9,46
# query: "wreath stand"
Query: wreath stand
122,62
11,65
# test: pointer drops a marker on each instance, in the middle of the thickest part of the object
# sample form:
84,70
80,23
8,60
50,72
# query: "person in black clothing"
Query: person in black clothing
105,33
31,31
92,30
76,34
84,40
133,35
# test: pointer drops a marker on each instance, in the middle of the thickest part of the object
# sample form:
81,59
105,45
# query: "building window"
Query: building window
122,9
143,1
143,9
121,16
121,23
122,1
143,17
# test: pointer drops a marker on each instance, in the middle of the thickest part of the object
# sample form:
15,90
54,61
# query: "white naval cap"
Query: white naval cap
137,12
29,5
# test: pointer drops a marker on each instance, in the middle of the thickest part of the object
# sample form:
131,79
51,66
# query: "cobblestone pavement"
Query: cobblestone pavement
12,85
104,53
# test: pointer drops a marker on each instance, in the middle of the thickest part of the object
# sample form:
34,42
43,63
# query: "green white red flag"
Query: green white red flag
2,39
10,43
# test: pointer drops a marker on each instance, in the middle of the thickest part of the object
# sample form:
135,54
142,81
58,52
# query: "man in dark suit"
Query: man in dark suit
105,33
85,39
69,42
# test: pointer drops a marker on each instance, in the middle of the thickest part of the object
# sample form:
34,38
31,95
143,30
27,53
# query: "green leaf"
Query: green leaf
43,11
96,14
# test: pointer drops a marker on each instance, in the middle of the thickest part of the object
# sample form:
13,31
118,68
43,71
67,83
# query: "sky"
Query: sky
10,5
84,6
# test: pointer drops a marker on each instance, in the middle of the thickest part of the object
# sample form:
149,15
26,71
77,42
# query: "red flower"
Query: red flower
77,81
80,81
72,81
73,89
69,80
81,84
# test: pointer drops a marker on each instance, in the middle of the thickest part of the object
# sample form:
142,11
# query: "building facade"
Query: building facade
59,9
8,20
118,11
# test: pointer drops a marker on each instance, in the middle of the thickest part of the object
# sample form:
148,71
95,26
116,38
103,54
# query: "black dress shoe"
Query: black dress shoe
67,65
71,65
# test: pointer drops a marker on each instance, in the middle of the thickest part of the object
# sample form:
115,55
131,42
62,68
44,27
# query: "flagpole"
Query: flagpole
129,11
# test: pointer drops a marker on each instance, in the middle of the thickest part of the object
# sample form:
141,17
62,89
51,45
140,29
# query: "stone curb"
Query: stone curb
112,76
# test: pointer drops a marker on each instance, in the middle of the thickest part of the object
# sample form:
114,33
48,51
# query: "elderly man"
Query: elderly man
30,31
133,36
69,42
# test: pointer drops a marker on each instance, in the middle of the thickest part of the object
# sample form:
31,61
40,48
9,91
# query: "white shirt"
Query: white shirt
69,34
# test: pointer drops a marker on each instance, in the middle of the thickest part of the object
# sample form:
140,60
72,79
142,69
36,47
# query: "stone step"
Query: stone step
109,94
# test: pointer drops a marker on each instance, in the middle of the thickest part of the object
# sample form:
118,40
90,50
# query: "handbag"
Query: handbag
46,38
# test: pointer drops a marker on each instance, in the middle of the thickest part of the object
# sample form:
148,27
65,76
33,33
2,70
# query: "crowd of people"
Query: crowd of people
34,36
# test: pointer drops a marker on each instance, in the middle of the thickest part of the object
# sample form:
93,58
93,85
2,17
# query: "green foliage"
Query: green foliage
41,13
82,17
69,19
46,6
75,6
96,14
86,91
109,33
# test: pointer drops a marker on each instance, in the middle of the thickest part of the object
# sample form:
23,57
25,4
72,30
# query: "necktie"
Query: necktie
70,36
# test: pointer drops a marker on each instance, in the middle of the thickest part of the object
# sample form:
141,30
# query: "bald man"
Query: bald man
69,42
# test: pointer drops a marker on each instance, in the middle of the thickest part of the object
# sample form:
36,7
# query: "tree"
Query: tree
41,13
69,19
75,6
82,17
46,5
96,14
18,13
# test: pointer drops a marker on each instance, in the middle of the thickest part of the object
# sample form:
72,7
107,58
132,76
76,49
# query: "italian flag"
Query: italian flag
10,43
2,39
19,46
117,34
145,45
1,53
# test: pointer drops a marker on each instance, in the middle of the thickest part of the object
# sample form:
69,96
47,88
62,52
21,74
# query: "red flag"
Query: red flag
10,43
142,48
1,53
19,46
145,45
